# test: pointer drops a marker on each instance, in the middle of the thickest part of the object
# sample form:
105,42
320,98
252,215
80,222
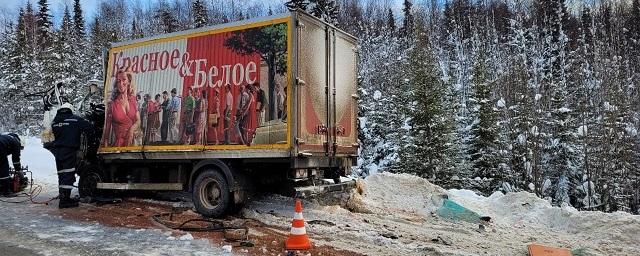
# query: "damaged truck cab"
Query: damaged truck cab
266,104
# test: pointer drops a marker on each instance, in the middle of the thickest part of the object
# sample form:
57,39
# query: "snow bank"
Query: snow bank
40,161
524,209
520,212
408,193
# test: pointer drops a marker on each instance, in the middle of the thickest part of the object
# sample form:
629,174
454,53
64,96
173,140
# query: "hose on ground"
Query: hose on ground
34,191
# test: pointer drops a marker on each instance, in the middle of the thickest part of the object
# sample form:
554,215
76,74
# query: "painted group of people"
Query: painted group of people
136,119
159,115
236,114
194,117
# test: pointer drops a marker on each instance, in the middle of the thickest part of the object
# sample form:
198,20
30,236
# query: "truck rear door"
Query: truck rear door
326,95
313,86
344,101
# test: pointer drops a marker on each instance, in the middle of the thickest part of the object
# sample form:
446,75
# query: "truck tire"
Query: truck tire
211,195
89,178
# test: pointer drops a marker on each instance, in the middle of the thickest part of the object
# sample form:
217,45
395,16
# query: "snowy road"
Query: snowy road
11,249
40,229
35,229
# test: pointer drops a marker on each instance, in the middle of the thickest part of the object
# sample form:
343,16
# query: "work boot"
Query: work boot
65,199
5,188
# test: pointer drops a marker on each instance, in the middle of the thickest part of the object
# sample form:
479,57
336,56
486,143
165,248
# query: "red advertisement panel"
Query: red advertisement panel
208,89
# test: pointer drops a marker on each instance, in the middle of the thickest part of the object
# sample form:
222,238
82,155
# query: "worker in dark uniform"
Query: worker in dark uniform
10,144
67,130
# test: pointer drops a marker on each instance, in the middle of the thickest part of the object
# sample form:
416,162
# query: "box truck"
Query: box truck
267,103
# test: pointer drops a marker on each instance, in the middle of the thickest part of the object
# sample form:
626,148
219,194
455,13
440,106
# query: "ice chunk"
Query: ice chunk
187,237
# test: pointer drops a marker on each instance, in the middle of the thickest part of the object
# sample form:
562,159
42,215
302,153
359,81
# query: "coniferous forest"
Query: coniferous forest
494,95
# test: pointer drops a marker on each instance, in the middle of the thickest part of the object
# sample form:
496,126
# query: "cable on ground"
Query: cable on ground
30,195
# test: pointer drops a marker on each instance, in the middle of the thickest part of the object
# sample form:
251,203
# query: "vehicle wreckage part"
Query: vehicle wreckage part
303,192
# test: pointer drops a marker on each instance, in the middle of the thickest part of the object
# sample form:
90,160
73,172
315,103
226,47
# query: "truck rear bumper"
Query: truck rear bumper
322,162
309,191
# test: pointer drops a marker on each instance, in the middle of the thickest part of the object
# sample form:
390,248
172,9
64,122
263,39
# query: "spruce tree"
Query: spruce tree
10,69
382,77
78,19
431,129
99,40
297,4
21,33
484,133
200,15
408,22
59,65
167,20
45,26
391,22
11,53
30,21
326,10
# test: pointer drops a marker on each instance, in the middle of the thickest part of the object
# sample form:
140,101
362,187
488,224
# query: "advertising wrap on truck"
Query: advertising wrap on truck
210,89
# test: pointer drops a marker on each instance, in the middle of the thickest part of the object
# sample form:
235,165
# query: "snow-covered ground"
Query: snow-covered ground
394,215
40,229
388,214
40,161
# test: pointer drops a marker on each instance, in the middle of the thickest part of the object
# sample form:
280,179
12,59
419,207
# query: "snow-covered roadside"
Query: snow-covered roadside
394,215
42,228
525,210
40,161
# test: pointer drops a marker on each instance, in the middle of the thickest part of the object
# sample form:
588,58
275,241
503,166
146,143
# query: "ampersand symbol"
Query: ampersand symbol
185,68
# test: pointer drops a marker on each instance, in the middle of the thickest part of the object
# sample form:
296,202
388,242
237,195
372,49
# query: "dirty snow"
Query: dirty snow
388,214
391,214
40,229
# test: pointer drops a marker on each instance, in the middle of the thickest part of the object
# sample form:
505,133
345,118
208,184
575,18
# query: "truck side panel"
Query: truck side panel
217,89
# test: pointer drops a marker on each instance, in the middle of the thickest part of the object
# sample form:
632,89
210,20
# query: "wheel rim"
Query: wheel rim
210,193
90,183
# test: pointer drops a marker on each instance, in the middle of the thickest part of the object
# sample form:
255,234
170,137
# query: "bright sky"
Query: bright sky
11,7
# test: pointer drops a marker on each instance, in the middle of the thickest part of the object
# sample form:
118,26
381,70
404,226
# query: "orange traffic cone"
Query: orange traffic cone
298,239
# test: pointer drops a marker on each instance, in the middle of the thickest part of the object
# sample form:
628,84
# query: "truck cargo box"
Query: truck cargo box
274,87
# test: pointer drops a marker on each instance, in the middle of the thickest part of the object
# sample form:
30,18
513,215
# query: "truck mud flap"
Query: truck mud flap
310,191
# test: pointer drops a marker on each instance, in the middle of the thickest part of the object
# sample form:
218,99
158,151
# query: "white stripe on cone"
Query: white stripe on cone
297,216
298,231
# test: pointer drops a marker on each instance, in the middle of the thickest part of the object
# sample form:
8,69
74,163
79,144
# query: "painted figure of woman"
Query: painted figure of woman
122,112
200,117
153,119
215,115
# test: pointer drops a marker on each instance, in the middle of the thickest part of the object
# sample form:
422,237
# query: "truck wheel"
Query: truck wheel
88,183
211,195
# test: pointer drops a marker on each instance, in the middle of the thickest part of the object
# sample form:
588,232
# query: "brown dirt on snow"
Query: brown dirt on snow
267,240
